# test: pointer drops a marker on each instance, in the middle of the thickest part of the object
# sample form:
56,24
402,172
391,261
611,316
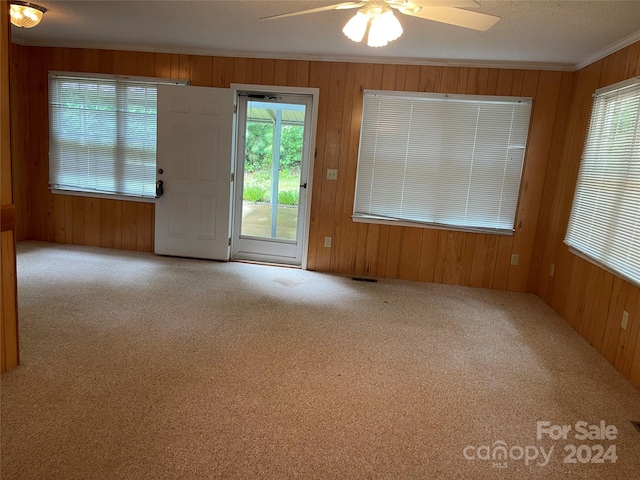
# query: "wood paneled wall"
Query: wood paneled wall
589,298
362,249
8,297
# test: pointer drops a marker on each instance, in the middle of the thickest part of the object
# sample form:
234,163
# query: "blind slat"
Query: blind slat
454,160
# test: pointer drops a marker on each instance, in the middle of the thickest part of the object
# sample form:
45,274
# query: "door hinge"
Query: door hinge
232,177
229,241
235,108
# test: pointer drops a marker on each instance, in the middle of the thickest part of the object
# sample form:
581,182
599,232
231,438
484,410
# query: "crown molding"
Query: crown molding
614,47
313,58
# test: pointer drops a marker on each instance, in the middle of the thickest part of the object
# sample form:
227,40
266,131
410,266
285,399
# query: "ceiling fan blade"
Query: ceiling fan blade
433,3
338,6
455,16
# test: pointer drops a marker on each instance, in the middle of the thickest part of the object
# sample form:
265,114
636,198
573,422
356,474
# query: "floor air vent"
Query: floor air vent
361,279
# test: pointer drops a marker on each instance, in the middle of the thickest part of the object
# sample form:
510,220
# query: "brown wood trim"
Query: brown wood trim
8,217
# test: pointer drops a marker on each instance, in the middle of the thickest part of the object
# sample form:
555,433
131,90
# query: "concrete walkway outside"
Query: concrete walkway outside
256,220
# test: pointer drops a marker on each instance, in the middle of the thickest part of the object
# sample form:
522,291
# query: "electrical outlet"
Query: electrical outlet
332,174
327,242
552,270
515,259
625,320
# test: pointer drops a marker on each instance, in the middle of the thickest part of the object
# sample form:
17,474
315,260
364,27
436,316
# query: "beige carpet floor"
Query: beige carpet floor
136,366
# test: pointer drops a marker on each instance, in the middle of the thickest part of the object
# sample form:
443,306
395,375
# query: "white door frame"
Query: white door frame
315,94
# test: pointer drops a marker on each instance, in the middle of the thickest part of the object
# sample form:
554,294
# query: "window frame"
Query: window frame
102,77
489,99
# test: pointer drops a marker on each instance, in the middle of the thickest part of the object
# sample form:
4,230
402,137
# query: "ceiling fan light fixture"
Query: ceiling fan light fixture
390,24
25,14
384,28
356,27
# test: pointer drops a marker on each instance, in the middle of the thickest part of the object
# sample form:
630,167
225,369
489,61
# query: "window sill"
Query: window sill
405,223
107,196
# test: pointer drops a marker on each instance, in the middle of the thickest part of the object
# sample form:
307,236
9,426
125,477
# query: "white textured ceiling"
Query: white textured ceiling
553,34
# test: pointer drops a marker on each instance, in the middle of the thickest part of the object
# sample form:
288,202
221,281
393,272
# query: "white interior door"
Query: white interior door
194,158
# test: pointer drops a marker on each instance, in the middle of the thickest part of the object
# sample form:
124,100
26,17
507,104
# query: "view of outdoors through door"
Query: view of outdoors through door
272,170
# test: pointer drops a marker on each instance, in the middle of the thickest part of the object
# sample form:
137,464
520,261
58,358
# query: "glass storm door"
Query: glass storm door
272,160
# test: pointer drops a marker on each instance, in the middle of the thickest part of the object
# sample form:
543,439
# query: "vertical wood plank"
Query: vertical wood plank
202,71
392,256
467,263
479,262
59,219
68,219
491,255
107,223
162,65
240,70
441,255
268,71
428,252
601,311
622,345
280,75
130,63
594,285
129,225
78,220
91,60
91,223
8,314
409,261
302,73
117,234
146,67
612,327
634,340
452,272
143,222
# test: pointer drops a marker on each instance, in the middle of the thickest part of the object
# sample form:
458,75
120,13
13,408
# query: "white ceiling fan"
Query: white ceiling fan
377,16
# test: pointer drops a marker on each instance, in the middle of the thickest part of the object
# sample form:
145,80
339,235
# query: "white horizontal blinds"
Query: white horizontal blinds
452,161
605,216
102,135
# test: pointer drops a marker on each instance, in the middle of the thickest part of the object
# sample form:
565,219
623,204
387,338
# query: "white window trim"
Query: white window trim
106,196
434,226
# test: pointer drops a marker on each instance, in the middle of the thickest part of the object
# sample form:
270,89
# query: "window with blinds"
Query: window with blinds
450,161
604,224
102,134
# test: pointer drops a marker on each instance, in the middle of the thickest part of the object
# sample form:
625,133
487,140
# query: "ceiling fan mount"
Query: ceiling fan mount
376,17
